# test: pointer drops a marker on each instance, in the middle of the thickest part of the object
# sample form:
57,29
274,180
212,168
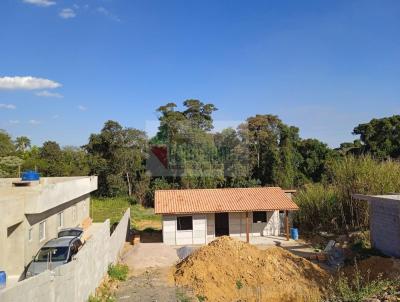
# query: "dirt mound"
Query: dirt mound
229,270
387,268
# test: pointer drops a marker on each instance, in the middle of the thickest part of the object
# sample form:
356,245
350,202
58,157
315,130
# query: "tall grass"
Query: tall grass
330,204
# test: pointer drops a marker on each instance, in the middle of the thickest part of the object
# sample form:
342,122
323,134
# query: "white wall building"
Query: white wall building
199,216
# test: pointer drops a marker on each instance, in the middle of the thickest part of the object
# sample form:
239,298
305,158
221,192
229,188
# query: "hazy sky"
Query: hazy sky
324,66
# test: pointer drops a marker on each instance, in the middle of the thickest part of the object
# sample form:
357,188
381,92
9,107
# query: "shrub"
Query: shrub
358,288
118,272
318,207
329,205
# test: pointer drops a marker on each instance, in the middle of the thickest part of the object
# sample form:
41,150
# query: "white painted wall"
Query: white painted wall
204,228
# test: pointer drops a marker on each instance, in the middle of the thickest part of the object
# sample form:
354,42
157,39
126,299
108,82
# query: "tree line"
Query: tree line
262,151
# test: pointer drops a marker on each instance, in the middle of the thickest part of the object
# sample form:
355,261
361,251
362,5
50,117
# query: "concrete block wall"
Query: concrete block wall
76,280
169,229
385,226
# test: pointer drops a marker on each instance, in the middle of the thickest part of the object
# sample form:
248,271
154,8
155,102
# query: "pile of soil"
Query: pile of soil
230,270
374,267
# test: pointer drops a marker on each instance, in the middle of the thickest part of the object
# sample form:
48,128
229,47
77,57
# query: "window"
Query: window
184,223
259,217
30,231
60,219
42,231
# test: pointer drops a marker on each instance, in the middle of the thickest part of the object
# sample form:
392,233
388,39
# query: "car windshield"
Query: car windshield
56,253
65,233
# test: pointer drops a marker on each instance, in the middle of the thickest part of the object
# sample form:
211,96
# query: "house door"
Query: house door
221,224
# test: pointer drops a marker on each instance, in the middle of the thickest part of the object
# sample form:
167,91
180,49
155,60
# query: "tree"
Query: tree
6,144
117,155
271,144
199,114
22,143
380,137
314,155
52,157
9,165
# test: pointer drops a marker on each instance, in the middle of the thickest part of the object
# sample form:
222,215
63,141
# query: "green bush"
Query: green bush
359,287
329,205
118,272
318,206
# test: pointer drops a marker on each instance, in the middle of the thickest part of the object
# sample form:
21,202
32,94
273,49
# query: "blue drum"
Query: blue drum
294,233
3,279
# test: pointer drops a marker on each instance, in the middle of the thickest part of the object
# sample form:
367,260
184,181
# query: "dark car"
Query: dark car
76,232
54,253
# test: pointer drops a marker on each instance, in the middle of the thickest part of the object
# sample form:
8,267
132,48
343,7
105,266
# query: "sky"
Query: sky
67,66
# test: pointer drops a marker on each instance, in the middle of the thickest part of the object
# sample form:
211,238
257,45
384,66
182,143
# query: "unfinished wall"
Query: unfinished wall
78,279
385,225
199,229
169,229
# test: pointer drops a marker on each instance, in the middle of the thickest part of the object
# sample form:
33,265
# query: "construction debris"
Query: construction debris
231,270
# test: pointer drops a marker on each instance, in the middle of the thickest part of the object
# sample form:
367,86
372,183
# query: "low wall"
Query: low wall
77,280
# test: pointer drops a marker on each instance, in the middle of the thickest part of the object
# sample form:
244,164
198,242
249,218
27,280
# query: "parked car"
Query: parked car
54,253
76,232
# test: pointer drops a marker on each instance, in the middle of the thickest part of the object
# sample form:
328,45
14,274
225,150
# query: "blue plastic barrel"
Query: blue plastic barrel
294,233
30,176
3,279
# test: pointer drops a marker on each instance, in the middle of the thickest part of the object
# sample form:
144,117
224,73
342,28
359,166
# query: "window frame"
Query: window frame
43,232
30,234
180,227
60,220
260,220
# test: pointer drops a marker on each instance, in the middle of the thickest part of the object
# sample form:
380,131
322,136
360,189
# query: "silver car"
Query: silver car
54,253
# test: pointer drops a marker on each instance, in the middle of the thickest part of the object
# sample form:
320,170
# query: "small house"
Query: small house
198,216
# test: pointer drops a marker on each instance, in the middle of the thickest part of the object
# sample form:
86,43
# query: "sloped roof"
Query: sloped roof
222,200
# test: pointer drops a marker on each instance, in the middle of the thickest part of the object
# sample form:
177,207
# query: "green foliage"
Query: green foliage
118,272
6,144
117,156
330,206
239,284
113,208
182,296
359,288
380,137
319,207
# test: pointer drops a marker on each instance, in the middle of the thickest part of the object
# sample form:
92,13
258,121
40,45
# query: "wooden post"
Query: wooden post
287,224
247,228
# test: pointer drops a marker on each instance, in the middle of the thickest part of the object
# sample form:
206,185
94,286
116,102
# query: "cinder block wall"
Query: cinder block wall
385,226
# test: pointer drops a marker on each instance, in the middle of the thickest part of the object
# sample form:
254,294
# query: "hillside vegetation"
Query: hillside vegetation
262,151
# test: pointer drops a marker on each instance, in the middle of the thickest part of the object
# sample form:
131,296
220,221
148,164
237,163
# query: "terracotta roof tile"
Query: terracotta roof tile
222,200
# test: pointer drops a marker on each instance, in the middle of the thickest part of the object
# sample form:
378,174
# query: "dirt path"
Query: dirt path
149,286
150,265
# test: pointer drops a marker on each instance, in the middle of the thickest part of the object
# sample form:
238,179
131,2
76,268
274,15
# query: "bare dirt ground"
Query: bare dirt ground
150,266
149,286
